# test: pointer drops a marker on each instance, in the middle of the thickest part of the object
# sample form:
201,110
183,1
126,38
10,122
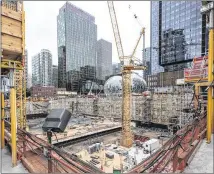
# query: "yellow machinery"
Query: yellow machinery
208,9
128,64
12,65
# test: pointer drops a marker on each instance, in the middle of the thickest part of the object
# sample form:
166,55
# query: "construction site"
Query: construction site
131,128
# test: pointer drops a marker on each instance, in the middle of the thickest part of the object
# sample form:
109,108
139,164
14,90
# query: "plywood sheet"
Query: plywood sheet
11,43
12,14
11,27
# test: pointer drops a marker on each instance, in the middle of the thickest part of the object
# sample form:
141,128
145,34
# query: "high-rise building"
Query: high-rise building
116,68
154,40
29,81
42,68
61,67
76,39
104,59
147,60
55,76
178,34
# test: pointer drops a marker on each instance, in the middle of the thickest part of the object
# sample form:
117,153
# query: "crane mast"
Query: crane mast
126,82
127,66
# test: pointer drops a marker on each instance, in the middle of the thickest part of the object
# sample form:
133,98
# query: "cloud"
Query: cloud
41,24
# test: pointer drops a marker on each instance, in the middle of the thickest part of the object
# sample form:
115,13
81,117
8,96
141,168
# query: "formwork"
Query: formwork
13,52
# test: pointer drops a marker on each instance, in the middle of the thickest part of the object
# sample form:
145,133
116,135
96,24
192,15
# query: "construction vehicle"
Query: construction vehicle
128,64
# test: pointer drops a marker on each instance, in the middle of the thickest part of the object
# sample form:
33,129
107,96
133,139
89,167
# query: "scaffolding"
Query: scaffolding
12,66
198,70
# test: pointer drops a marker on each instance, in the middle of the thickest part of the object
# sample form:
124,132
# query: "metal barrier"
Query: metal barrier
175,153
56,159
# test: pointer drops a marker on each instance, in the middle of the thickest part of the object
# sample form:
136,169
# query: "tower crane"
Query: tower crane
128,63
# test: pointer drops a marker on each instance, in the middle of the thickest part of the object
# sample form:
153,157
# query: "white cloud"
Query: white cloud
41,24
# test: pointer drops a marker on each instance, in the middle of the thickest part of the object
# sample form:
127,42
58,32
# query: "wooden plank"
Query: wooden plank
11,43
11,14
11,27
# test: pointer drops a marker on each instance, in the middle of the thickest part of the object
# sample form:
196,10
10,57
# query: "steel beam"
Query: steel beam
11,64
2,121
210,108
13,125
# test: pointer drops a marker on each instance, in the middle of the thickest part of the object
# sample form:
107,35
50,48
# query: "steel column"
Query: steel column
210,108
13,125
2,121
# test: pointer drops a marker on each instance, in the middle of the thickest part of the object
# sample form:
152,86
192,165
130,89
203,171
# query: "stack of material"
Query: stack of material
94,148
109,155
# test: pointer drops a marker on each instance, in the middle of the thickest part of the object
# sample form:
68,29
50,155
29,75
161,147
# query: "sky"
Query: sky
41,25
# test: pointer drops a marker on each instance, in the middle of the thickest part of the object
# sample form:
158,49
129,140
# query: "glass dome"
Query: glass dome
91,86
113,86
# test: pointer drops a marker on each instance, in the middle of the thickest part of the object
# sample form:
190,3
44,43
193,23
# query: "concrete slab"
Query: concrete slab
203,159
6,165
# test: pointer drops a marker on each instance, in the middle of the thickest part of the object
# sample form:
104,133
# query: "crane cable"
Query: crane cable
136,17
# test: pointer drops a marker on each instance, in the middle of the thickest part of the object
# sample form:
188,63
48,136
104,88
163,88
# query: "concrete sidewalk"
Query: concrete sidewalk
203,159
6,163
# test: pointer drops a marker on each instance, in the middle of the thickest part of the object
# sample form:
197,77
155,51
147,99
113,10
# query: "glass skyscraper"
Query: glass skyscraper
154,40
77,36
178,34
104,59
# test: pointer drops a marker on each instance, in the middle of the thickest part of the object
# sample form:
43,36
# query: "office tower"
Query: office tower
178,34
104,59
154,37
55,76
76,40
42,68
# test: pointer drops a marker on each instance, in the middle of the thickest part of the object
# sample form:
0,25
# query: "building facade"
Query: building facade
43,91
42,68
29,81
147,60
116,68
178,33
76,40
154,40
55,76
104,59
61,67
164,79
76,80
